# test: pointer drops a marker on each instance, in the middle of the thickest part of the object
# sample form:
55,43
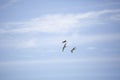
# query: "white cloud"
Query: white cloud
49,23
8,3
57,23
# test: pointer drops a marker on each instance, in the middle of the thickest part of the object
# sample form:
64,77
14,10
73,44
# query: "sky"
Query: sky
32,31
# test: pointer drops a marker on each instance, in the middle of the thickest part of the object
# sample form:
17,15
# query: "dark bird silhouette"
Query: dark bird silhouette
64,41
64,47
73,49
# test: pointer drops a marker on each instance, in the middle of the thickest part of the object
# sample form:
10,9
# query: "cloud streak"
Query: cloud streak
57,23
60,24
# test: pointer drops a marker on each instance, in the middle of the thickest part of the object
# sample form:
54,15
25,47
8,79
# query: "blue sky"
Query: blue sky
32,31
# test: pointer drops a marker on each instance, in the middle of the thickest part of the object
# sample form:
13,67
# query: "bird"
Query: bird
64,47
73,49
64,41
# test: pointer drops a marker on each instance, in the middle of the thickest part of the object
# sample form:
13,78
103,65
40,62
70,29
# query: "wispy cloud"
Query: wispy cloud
60,24
8,3
57,23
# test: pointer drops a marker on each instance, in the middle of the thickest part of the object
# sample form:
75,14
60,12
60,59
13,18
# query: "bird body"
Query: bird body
64,47
73,49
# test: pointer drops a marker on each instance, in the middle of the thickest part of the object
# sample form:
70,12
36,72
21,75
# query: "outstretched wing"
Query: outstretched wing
64,41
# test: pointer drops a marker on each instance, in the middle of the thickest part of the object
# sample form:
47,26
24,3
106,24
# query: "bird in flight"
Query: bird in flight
64,41
64,47
73,49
